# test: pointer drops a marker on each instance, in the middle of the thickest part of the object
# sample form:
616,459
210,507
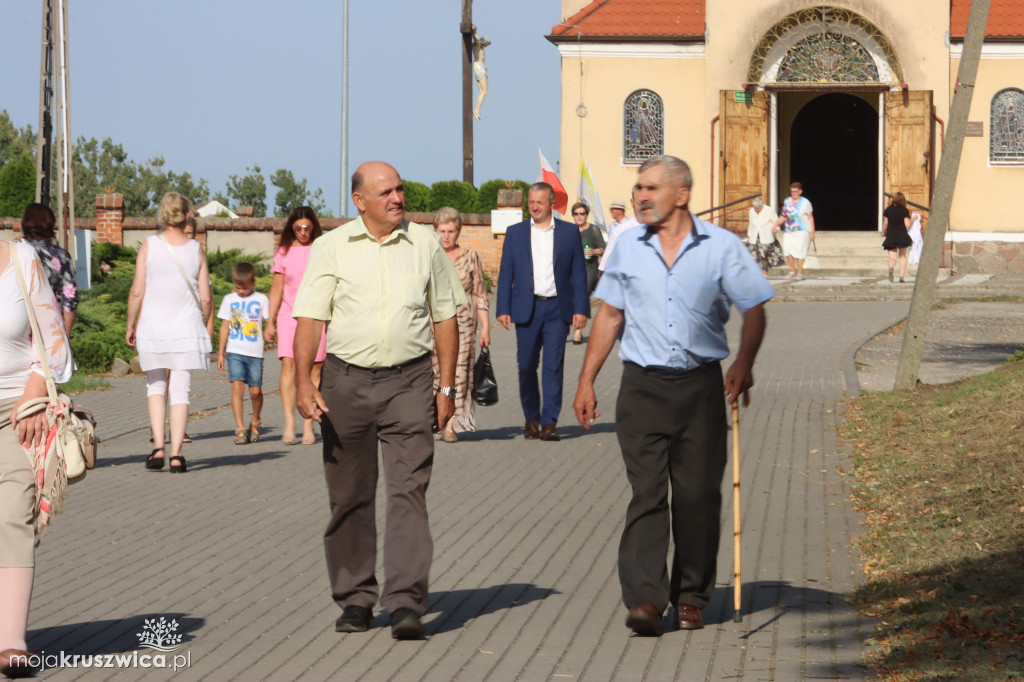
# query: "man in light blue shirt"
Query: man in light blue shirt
669,286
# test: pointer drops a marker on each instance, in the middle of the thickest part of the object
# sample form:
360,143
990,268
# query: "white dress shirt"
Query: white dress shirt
542,244
614,230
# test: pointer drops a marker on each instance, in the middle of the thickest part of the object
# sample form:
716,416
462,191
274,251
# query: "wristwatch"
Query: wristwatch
447,391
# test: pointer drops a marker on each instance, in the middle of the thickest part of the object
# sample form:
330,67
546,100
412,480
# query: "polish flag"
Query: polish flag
548,175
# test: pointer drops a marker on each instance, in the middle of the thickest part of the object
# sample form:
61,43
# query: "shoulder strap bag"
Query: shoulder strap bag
69,448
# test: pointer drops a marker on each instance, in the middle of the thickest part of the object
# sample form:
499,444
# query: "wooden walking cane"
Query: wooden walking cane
736,519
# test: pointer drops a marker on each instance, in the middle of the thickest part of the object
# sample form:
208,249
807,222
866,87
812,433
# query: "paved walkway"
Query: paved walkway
524,582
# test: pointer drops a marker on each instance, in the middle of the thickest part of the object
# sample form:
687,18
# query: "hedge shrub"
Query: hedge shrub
459,195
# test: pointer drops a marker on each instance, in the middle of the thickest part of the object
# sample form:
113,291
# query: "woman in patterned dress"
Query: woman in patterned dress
448,225
37,225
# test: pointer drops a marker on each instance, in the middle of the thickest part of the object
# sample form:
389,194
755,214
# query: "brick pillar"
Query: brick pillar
201,233
109,217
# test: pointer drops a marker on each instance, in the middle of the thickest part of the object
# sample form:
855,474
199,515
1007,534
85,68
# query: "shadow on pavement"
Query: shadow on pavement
458,607
107,636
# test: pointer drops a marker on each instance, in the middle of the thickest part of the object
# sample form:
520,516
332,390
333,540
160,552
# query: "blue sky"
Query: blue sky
215,86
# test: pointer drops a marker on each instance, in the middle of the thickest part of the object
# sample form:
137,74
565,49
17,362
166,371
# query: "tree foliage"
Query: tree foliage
102,164
487,195
249,190
14,141
417,196
17,185
292,193
455,193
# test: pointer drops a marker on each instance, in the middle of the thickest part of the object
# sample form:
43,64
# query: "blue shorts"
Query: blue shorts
245,368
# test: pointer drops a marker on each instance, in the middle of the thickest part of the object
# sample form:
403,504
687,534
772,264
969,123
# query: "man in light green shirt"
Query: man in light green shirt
388,294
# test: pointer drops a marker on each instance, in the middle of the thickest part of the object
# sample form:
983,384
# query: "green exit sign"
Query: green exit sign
742,96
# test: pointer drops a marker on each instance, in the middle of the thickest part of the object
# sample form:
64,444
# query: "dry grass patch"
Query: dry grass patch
940,476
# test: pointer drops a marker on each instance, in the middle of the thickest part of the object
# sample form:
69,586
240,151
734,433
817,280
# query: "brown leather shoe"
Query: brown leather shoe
690,617
532,430
547,432
644,620
17,663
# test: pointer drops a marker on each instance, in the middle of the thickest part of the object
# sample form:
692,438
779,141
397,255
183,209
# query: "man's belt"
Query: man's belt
376,370
545,298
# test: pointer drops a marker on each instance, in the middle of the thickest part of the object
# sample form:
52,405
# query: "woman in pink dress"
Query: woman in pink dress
301,228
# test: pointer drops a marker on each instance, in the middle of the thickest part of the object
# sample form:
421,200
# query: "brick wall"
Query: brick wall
476,235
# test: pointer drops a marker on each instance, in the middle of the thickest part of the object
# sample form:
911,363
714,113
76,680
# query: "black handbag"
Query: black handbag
485,387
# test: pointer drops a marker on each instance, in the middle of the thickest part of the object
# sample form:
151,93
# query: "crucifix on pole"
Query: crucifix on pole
473,67
466,28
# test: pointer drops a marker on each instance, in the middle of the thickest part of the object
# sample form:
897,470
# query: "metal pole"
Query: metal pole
65,104
344,113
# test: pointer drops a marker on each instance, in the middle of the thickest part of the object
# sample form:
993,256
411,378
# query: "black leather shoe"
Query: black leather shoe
354,619
548,432
644,620
532,430
406,624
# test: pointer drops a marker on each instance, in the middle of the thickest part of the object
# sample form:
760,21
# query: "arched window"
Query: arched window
644,129
1006,129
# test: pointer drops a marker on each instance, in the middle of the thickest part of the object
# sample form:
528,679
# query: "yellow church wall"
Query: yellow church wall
916,29
598,136
984,200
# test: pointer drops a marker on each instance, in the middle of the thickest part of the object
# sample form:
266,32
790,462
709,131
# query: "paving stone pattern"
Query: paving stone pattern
524,582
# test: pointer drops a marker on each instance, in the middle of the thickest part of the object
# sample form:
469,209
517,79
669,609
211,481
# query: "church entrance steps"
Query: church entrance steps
846,254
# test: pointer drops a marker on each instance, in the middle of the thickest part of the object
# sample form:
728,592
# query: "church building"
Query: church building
849,98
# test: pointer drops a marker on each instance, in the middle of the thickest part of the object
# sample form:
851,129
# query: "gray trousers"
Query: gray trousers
392,408
671,427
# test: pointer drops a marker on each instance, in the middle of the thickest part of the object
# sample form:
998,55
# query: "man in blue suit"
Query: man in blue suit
542,289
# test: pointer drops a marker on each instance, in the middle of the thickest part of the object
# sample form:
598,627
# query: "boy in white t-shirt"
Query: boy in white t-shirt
241,335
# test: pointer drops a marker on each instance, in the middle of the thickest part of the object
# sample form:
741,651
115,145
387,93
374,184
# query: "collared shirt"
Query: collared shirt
542,244
675,316
379,298
614,230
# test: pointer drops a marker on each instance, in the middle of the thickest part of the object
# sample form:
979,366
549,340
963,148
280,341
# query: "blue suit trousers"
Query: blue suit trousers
547,330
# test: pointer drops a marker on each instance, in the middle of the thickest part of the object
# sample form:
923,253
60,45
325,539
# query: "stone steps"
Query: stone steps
846,254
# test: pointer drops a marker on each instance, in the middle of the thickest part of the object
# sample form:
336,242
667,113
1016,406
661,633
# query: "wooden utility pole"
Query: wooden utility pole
466,28
45,130
942,199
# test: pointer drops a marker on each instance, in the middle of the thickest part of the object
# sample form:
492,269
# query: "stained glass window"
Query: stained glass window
823,45
1006,134
828,58
644,126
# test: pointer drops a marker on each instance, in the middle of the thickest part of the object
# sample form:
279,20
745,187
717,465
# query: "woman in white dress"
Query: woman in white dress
172,290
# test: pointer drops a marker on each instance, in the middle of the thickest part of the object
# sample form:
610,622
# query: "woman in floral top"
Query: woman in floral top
37,226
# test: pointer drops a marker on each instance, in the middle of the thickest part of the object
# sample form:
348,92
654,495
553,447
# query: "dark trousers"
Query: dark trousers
545,330
392,407
671,427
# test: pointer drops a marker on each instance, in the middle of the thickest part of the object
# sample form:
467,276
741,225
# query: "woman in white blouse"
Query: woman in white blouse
761,236
21,380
